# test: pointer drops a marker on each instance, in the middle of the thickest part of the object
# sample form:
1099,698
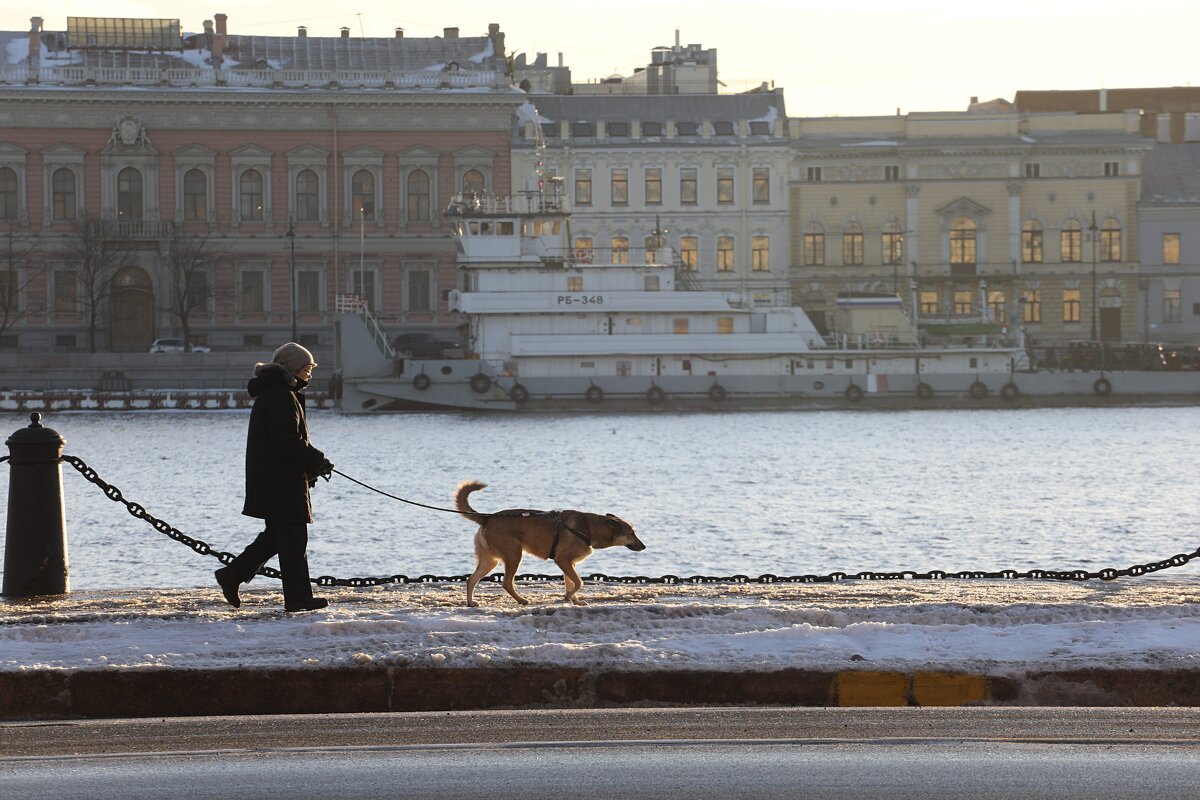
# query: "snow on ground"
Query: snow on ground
992,627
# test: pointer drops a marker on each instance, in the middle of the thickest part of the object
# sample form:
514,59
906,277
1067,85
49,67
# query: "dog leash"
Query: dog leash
401,499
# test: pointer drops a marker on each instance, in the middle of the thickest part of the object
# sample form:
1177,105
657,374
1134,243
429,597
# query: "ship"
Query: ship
549,327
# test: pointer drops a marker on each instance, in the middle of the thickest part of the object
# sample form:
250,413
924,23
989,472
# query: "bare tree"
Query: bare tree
15,254
97,252
190,265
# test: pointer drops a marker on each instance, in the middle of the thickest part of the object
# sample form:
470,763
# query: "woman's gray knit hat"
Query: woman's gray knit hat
293,357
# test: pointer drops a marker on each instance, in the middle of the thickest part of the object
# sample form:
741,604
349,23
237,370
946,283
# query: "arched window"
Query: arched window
62,190
8,193
620,249
472,181
417,196
1110,240
760,253
892,242
362,195
308,196
689,252
962,241
129,195
250,194
724,254
1072,242
195,196
1032,251
852,244
814,245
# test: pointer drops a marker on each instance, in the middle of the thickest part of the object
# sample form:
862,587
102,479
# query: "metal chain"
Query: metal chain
1109,574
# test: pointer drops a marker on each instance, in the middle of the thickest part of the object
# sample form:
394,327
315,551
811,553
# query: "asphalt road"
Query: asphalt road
644,753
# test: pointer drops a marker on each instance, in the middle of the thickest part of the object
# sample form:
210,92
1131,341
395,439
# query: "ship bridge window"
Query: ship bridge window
651,283
633,321
485,228
724,324
505,228
474,227
680,325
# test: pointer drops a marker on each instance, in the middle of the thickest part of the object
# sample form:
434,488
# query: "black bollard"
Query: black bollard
35,547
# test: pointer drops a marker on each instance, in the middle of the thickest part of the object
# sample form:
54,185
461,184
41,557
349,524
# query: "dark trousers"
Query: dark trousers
288,540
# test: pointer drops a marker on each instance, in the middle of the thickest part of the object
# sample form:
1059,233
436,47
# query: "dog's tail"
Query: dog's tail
460,500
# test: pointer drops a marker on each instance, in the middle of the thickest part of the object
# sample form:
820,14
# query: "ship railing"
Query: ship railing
357,304
469,204
584,255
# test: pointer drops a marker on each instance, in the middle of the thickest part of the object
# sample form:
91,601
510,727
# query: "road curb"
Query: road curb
62,694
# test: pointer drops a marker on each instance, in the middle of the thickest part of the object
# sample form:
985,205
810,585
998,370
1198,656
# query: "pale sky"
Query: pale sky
832,58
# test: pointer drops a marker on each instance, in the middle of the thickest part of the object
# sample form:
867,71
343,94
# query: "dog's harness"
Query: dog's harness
559,526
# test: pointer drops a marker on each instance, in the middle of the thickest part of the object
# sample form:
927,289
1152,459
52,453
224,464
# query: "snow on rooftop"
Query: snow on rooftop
990,627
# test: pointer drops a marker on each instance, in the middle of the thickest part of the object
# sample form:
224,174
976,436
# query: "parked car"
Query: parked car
175,346
421,345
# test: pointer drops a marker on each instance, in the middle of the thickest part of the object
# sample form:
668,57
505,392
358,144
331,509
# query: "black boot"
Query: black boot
229,587
308,605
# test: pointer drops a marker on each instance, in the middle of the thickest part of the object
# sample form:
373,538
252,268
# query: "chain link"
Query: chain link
1107,574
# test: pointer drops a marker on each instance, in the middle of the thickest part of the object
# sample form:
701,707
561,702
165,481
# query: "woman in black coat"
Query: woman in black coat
281,465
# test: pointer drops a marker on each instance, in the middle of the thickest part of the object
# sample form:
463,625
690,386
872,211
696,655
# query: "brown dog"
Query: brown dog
566,536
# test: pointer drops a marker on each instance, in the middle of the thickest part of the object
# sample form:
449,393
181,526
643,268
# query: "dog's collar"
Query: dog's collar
559,526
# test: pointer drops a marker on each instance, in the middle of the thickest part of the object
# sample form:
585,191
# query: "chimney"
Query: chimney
493,28
35,41
221,18
302,32
399,33
345,33
974,99
450,33
208,29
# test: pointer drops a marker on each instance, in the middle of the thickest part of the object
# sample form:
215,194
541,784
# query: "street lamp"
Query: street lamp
1094,230
291,234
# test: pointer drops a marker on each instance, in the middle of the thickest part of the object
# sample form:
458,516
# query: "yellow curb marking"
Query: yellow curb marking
857,688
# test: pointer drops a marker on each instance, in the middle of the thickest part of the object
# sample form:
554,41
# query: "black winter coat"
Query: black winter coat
280,462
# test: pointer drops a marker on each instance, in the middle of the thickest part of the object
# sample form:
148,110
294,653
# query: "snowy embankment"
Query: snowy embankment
993,627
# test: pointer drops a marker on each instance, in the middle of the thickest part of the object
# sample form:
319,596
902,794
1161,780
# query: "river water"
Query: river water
710,493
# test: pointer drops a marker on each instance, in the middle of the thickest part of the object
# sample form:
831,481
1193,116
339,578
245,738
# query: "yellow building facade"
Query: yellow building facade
983,222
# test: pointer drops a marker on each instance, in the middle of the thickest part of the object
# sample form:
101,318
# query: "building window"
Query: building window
964,302
680,325
654,186
689,252
814,174
420,290
1032,251
362,195
723,128
929,303
197,293
574,283
724,324
8,194
617,128
724,185
652,129
1170,248
891,172
308,199
760,253
1071,305
129,195
652,245
1072,242
584,250
66,291
308,290
760,128
687,128
620,187
724,254
252,293
620,249
417,196
195,196
1172,304
63,191
814,246
581,129
762,184
998,305
1112,169
962,241
1110,240
1032,300
892,241
687,187
550,130
250,191
852,244
583,187
472,182
1033,170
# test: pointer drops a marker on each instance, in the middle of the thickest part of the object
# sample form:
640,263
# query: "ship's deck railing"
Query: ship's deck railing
357,304
476,204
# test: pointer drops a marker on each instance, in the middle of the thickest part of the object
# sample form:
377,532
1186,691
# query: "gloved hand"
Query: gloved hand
326,470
